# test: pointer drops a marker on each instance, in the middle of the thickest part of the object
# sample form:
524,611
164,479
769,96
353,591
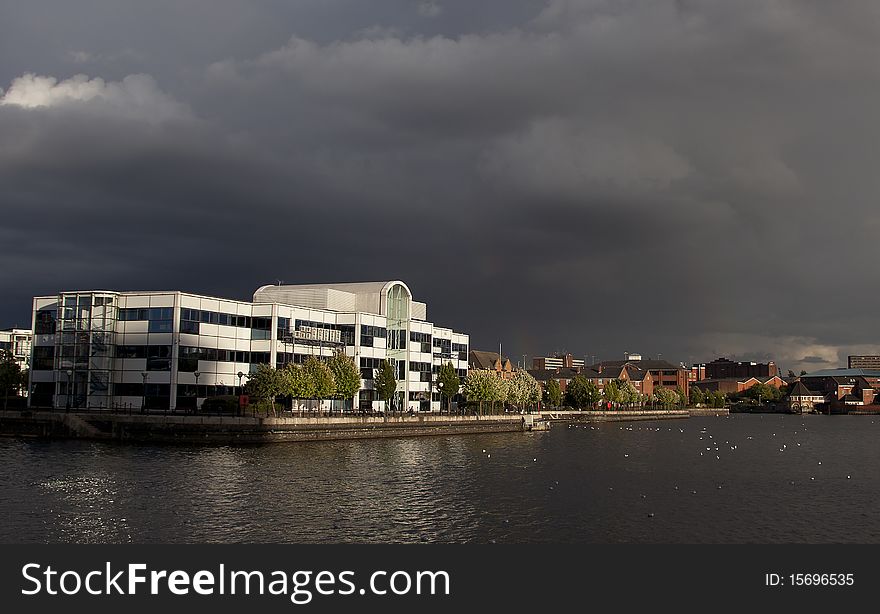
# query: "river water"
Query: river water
742,478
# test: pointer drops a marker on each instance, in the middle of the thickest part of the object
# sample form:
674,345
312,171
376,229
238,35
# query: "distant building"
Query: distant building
493,361
663,373
733,385
722,368
18,342
841,389
863,362
563,375
802,400
697,373
558,361
641,379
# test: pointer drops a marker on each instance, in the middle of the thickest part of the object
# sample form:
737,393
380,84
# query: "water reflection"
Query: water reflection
737,479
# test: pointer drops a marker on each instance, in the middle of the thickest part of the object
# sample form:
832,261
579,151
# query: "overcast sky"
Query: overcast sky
690,178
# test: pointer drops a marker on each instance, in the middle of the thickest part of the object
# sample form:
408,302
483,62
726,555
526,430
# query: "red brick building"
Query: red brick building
663,373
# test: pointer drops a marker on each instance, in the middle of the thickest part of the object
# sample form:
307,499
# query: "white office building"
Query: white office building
18,341
172,350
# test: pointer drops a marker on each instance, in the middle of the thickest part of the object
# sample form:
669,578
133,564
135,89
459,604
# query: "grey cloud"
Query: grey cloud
688,178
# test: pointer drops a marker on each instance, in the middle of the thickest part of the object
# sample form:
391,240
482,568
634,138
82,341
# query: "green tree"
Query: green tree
582,392
697,396
553,393
346,376
612,392
321,377
484,386
10,376
523,389
265,384
629,396
448,383
716,398
665,397
385,382
296,383
682,397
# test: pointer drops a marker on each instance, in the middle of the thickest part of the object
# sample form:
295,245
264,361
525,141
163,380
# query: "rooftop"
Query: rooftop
844,373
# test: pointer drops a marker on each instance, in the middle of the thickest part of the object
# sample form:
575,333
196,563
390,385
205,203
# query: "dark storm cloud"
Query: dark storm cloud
689,178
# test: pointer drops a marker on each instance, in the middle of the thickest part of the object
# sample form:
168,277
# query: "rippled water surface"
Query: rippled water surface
743,478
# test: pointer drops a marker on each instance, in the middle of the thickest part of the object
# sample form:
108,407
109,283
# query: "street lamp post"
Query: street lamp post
144,375
240,408
440,389
69,376
196,375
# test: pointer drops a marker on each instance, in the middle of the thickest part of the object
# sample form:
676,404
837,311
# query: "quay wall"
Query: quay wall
708,411
614,416
242,429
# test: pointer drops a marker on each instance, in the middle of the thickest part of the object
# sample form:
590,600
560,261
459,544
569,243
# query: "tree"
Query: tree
10,375
449,383
716,398
697,396
385,382
324,386
346,375
265,384
553,393
535,391
612,392
628,394
682,397
665,397
484,385
523,389
296,383
582,392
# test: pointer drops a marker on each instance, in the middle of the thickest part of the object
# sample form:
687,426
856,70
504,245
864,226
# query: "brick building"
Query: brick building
723,368
559,361
663,374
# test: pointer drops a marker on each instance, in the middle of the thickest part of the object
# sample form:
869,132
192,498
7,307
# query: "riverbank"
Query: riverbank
138,428
615,415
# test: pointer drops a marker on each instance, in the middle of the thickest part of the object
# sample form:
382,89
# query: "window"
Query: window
283,328
131,351
125,389
160,326
368,333
45,322
158,358
189,321
368,367
43,358
188,359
